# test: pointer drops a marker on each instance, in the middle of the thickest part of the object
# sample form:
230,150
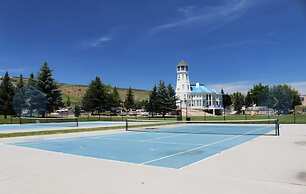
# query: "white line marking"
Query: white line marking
150,141
199,147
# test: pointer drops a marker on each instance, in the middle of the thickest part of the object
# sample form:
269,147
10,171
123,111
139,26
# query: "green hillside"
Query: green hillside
76,92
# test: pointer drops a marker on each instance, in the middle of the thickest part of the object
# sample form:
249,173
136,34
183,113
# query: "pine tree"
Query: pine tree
77,111
129,102
152,105
68,102
96,97
47,85
32,81
30,99
171,98
162,99
20,82
226,99
115,98
7,92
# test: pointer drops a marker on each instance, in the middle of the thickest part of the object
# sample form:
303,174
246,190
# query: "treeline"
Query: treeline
99,98
38,93
281,98
162,100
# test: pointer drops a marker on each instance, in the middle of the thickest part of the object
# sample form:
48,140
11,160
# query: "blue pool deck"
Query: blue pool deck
171,150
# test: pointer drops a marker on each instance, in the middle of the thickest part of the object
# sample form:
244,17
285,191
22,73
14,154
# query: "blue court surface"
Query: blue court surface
4,128
172,146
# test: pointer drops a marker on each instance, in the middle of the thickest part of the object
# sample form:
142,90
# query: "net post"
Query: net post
77,122
277,127
126,125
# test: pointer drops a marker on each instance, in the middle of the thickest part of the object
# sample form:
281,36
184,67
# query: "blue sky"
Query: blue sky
228,43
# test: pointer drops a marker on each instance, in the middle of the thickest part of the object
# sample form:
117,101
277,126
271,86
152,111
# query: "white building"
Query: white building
195,96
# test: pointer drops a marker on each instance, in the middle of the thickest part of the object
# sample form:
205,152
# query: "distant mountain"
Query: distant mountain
76,92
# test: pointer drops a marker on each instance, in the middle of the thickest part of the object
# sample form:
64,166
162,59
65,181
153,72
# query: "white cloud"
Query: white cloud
212,16
244,86
100,41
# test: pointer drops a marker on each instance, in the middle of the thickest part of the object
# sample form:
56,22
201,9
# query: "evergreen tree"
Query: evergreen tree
48,86
171,98
226,100
7,92
129,102
142,104
152,105
32,81
96,97
68,102
238,101
30,100
115,98
77,111
162,99
20,82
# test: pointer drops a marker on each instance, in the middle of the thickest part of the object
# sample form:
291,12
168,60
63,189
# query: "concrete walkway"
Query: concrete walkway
265,165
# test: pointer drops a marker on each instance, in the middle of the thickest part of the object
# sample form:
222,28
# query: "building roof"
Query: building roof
201,88
182,63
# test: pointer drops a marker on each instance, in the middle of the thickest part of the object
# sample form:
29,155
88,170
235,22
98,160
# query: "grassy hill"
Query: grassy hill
76,92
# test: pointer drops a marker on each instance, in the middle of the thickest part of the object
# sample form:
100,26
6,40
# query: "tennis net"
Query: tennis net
52,122
242,127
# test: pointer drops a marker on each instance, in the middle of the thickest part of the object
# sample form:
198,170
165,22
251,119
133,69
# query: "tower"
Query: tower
182,82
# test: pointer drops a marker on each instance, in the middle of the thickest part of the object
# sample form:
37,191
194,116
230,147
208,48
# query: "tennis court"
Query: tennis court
172,146
55,125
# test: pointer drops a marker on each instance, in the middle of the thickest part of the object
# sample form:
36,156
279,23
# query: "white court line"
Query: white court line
199,147
157,142
151,140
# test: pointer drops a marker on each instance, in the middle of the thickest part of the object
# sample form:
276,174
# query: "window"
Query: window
182,68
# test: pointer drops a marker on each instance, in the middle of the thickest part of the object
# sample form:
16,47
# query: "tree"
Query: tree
47,85
259,95
7,91
142,104
226,100
32,81
152,105
77,111
285,98
28,100
238,101
249,100
20,82
171,101
115,98
162,98
166,100
68,102
96,97
129,102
